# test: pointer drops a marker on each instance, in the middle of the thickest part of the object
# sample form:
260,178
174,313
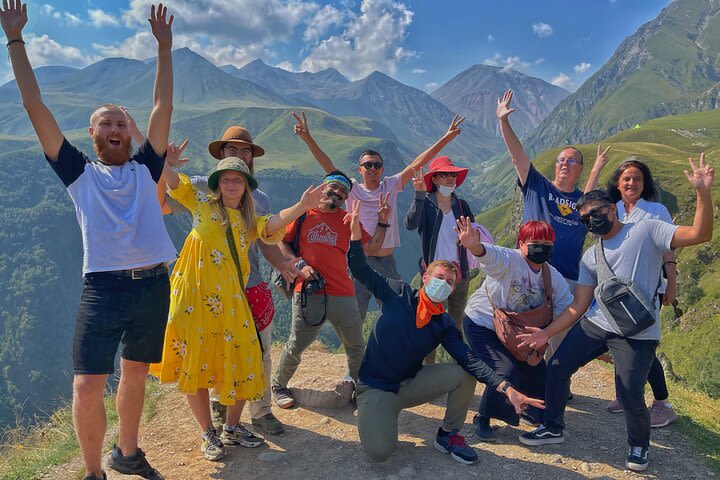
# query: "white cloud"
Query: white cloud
370,41
230,21
322,21
491,38
72,19
561,80
418,71
65,17
43,50
99,18
542,29
286,65
510,63
582,67
431,86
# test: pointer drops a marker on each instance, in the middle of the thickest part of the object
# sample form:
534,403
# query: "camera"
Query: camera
310,287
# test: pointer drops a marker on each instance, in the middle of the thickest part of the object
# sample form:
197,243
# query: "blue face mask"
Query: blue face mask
438,290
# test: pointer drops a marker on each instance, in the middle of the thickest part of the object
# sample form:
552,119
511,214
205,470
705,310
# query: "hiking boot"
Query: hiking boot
132,464
269,424
92,476
454,444
541,436
615,407
283,397
483,431
212,447
241,436
637,459
218,412
662,414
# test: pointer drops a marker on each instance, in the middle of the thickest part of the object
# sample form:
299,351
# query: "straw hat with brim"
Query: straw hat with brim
236,135
444,164
230,164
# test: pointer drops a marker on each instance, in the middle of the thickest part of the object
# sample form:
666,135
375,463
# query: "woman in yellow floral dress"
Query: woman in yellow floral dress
211,341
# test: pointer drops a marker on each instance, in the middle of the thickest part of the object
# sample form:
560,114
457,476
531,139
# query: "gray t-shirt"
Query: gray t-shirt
634,253
262,207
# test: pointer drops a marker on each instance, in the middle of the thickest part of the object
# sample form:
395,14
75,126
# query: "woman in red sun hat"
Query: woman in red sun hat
434,213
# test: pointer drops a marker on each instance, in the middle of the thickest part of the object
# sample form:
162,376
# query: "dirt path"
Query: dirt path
325,444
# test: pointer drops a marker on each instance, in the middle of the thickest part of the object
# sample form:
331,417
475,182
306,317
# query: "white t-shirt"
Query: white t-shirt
642,210
369,201
117,209
635,253
513,285
446,247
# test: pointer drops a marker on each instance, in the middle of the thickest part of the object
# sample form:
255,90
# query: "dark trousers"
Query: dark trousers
525,378
656,379
633,358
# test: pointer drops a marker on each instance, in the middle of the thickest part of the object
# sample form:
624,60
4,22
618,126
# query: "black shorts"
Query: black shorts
115,310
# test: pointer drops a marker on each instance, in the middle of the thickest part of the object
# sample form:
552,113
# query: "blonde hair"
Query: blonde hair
247,208
443,264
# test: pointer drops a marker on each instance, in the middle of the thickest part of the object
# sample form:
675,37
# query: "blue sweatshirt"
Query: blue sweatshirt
396,347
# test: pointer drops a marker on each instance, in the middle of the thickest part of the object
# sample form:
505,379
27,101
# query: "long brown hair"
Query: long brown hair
246,208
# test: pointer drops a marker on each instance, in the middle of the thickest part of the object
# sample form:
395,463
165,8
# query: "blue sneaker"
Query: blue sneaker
454,444
541,436
637,459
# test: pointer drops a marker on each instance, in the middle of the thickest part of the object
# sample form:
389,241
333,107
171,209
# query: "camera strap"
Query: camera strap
303,309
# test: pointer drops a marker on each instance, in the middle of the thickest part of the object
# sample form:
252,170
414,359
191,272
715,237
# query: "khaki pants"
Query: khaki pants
343,315
378,410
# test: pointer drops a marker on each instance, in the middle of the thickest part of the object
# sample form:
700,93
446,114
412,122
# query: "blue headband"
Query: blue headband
338,179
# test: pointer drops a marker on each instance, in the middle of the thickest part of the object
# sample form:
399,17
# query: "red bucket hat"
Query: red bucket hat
444,164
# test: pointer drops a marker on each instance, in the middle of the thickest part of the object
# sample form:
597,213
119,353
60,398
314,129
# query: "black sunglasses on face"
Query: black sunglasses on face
596,212
371,165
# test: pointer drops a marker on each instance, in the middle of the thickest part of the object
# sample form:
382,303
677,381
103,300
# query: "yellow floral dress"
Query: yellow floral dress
211,340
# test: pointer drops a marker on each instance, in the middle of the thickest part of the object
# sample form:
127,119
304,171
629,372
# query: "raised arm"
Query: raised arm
453,131
137,136
159,124
702,227
374,245
172,161
512,142
13,18
301,130
601,159
469,237
413,217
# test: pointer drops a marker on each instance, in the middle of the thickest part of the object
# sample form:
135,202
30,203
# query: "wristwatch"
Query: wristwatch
383,225
505,387
300,264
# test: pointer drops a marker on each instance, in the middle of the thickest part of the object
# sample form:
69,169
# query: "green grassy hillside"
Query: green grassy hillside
665,143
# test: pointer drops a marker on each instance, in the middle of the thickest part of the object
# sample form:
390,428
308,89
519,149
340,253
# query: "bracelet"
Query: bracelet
17,40
383,225
505,387
300,264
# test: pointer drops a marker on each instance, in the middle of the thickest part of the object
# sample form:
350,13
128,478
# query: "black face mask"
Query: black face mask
600,225
539,253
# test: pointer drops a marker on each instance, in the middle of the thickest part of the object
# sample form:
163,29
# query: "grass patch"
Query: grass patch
28,452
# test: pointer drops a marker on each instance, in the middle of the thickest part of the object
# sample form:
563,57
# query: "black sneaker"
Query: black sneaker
541,436
92,476
483,431
132,464
637,459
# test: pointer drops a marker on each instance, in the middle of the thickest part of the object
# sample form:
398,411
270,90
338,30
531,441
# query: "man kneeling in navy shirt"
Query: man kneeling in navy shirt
392,376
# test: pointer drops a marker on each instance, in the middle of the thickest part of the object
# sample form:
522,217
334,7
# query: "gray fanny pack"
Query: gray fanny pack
622,302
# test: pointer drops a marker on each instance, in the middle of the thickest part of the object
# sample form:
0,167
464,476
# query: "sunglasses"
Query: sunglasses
678,311
567,161
371,165
235,151
446,174
596,212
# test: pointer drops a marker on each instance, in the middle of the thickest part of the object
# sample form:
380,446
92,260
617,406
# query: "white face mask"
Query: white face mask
438,290
446,191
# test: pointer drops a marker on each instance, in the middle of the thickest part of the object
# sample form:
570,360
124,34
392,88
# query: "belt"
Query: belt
140,274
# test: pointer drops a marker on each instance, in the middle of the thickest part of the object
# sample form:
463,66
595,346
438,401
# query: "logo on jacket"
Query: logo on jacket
321,233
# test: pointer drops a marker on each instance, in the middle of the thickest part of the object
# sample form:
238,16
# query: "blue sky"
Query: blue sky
422,43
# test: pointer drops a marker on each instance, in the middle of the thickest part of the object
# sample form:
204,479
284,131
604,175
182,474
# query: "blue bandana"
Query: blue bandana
338,179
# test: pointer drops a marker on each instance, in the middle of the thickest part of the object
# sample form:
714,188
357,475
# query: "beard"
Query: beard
111,155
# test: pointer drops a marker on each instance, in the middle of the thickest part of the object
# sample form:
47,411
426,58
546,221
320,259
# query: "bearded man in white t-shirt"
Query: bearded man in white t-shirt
374,188
126,293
